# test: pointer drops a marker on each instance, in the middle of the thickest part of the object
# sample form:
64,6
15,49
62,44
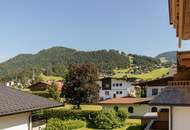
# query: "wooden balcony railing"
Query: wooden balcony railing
179,83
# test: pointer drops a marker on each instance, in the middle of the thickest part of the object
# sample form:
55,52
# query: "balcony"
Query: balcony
179,83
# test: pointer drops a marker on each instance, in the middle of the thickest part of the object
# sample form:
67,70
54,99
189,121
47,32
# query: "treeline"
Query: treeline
54,61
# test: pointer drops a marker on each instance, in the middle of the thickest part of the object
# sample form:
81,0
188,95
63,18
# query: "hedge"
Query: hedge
105,119
63,114
58,124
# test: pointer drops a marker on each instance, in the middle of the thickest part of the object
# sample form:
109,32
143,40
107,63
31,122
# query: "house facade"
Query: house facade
16,110
136,107
154,87
113,87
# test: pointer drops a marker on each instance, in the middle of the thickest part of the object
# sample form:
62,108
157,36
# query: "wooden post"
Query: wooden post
179,43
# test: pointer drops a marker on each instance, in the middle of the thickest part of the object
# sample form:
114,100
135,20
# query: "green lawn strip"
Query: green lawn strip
83,107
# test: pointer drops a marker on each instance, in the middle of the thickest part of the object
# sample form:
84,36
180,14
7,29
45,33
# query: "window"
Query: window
116,108
154,91
131,109
107,85
154,109
121,92
107,93
113,84
117,84
120,84
117,92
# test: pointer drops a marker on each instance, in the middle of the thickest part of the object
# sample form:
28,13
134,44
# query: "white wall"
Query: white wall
126,88
112,92
149,90
139,109
15,122
181,118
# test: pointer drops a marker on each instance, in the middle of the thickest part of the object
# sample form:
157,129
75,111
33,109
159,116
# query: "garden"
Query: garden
87,118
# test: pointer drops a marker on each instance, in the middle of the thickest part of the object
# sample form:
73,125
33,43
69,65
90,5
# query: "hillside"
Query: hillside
54,61
156,73
168,56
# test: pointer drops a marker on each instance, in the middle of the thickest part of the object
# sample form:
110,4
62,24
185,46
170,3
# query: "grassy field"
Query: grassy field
131,124
152,75
147,76
46,78
83,107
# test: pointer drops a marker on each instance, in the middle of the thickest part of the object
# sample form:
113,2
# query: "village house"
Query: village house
16,110
115,87
44,85
154,87
136,107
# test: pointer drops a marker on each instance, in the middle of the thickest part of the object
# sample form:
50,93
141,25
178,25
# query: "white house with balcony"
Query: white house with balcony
114,87
154,87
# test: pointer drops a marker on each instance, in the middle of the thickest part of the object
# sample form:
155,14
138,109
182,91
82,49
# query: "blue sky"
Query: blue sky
133,26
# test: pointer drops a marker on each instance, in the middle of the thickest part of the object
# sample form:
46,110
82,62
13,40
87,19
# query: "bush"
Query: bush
55,124
107,119
58,124
63,114
74,124
122,115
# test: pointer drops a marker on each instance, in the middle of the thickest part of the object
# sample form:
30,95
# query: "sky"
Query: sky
133,26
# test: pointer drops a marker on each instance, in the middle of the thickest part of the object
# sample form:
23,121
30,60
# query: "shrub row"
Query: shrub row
58,124
105,119
63,114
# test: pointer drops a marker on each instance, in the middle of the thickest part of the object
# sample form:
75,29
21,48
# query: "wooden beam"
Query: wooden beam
179,43
181,18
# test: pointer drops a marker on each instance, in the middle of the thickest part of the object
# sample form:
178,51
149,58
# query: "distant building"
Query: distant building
154,87
44,85
114,87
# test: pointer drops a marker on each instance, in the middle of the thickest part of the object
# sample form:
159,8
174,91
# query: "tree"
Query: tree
81,84
53,92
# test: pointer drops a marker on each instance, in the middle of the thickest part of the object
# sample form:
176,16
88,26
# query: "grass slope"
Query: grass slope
46,78
147,76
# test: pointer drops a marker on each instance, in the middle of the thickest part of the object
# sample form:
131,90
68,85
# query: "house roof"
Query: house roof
174,96
124,101
156,82
13,101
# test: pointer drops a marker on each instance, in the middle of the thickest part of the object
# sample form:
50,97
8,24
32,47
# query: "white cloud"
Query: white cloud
3,58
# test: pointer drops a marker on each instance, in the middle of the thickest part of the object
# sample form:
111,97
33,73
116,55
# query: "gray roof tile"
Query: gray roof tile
177,96
13,101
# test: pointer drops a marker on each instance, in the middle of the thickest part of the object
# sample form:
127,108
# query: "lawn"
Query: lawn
83,107
147,76
131,124
46,78
152,75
